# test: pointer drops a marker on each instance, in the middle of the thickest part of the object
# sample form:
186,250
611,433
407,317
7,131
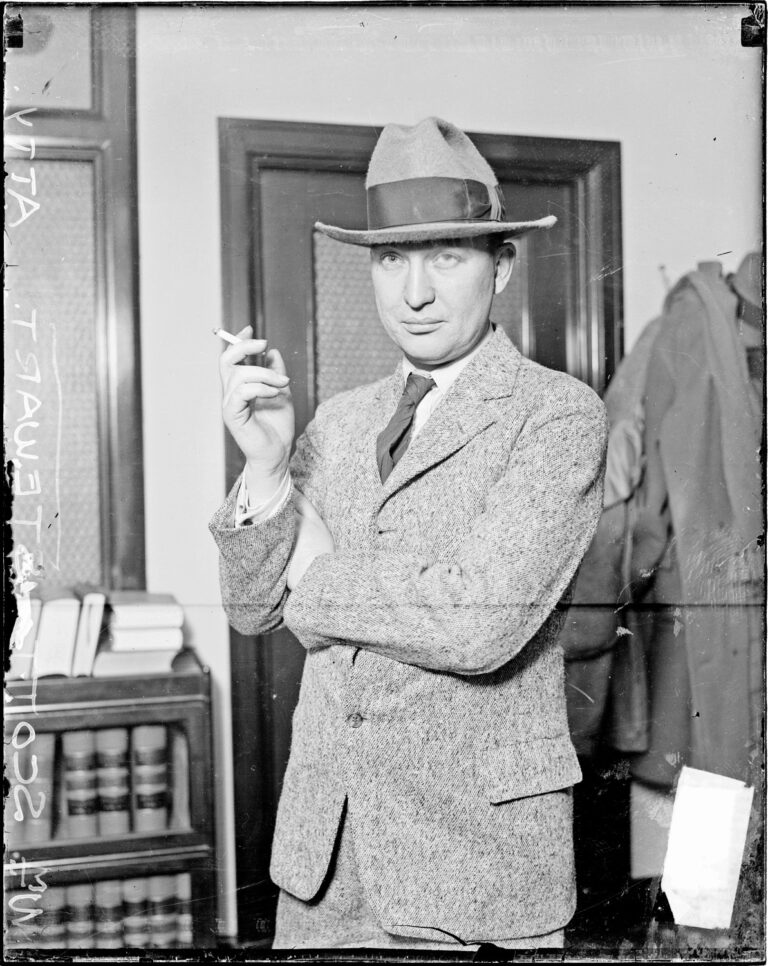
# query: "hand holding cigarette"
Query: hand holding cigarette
227,336
257,409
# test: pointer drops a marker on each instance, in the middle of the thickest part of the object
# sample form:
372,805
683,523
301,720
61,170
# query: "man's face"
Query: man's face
434,298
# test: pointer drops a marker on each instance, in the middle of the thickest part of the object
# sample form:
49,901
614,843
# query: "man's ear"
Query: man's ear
505,260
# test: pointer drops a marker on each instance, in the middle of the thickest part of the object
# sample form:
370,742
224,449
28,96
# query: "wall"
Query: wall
672,85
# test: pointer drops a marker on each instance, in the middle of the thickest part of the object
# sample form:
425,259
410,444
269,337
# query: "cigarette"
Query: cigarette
227,336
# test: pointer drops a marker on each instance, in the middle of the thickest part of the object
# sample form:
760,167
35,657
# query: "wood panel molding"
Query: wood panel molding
105,135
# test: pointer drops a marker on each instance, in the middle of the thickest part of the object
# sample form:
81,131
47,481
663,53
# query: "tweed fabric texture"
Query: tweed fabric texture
432,700
340,916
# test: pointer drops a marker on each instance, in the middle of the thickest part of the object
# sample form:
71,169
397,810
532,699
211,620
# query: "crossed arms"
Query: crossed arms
468,612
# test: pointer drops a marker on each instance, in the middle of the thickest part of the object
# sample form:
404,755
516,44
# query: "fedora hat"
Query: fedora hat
427,182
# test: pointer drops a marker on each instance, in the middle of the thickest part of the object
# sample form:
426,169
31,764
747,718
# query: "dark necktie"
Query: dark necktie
393,440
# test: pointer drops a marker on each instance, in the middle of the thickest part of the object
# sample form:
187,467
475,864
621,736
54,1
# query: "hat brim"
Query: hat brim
434,231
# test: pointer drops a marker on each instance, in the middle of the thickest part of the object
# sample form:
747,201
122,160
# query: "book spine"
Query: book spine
22,919
184,924
150,778
139,640
29,806
139,616
53,926
80,786
179,778
108,901
113,781
135,913
80,925
161,893
23,638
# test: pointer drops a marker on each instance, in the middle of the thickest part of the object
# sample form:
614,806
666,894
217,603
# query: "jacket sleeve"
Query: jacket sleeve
253,560
652,524
472,614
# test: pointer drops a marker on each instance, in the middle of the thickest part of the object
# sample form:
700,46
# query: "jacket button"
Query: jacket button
355,720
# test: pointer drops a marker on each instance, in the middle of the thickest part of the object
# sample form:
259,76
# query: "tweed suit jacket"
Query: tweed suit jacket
432,700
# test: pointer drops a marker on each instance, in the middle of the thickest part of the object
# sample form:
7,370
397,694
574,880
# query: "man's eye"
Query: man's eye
446,259
389,258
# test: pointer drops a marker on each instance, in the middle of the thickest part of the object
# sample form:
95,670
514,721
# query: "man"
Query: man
418,546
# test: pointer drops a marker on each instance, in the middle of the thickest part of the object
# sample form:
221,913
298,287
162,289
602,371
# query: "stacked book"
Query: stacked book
57,632
154,911
101,782
85,631
144,634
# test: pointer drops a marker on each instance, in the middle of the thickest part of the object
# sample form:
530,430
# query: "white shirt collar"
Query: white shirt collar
445,376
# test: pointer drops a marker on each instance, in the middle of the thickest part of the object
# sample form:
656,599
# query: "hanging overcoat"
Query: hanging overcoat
702,488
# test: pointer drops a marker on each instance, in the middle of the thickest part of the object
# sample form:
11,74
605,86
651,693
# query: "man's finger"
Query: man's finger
235,354
299,500
256,374
241,396
258,390
275,362
306,508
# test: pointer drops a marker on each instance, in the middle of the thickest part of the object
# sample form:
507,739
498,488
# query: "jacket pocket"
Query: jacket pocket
523,768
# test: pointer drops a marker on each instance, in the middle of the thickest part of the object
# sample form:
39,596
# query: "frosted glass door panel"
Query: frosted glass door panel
52,372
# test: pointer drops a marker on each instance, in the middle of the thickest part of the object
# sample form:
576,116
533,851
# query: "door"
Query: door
311,297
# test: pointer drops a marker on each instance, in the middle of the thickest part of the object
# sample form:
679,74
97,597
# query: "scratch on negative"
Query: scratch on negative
606,273
430,26
570,685
59,425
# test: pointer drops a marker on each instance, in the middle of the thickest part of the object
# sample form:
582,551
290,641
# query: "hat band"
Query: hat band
421,201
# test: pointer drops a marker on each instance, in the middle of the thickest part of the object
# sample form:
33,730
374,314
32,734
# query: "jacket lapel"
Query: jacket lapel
467,409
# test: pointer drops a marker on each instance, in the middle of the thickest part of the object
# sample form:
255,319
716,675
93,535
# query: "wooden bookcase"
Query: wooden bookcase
182,699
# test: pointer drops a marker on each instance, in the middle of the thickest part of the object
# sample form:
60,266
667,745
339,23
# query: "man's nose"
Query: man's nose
418,287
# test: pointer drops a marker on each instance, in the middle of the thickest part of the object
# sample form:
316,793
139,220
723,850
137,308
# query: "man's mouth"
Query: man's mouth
421,326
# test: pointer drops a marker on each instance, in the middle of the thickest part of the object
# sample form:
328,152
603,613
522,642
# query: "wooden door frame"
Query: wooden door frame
594,347
105,136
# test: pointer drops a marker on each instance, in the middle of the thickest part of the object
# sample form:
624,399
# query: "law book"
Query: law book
23,638
80,922
108,914
184,923
162,902
92,603
143,639
149,766
140,608
22,919
80,783
56,632
29,807
179,778
113,781
135,913
52,922
109,664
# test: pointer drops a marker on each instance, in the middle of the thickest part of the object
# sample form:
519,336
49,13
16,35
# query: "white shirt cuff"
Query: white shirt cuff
247,514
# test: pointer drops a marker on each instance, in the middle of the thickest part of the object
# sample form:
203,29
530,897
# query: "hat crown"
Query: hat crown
428,182
433,148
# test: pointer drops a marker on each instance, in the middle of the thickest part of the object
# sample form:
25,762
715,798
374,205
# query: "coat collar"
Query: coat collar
466,410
